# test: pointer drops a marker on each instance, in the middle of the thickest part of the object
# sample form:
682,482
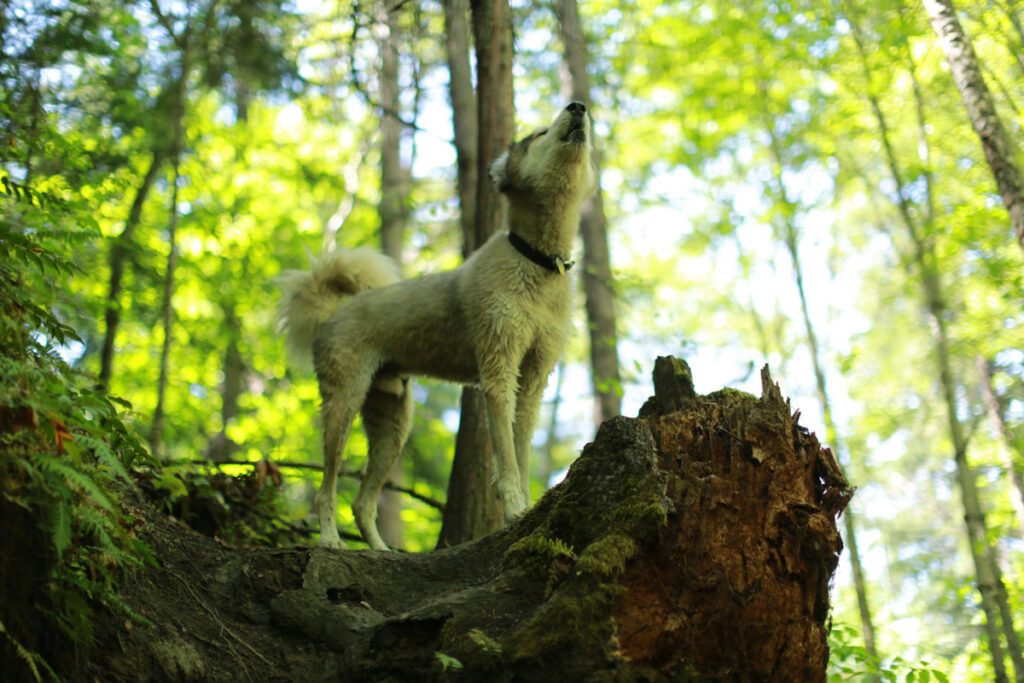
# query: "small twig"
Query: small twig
218,645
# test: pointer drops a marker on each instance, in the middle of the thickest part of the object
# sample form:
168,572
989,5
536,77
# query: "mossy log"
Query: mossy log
695,542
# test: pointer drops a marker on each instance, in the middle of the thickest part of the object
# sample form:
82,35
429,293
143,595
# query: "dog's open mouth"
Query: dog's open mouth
577,131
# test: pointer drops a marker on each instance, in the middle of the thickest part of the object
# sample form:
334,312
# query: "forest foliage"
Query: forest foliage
745,149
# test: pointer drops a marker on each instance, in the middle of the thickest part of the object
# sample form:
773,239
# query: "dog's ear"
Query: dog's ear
498,170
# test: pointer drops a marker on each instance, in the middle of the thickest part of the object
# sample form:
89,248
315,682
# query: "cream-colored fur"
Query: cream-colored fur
499,321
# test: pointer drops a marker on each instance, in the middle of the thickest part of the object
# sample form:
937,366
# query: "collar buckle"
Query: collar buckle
555,264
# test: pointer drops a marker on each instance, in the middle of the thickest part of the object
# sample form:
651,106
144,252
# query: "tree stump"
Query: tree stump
695,542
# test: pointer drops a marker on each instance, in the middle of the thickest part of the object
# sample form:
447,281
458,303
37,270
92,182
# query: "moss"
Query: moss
578,616
728,395
607,558
645,514
535,553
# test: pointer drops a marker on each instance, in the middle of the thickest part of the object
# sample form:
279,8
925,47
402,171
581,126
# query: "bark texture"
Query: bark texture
981,109
696,542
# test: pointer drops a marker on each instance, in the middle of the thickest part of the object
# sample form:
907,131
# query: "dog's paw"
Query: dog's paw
514,503
331,541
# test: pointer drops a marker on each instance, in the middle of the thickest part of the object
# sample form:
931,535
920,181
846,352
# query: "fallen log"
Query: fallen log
694,542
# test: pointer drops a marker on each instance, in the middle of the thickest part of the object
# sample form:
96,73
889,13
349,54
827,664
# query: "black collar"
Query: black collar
555,264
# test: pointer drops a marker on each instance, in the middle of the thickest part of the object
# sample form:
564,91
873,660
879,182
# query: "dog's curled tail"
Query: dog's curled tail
309,297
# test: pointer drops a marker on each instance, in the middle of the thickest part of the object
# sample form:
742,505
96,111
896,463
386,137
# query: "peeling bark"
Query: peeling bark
695,542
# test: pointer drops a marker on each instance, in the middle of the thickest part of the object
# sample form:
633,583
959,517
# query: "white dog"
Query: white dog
500,321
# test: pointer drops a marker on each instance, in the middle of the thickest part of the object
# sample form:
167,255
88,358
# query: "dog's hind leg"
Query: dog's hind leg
387,418
339,410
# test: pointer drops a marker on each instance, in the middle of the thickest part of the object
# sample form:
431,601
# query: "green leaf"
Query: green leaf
60,527
448,661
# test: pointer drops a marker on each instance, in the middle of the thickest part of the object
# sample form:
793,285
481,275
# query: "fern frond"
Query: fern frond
26,656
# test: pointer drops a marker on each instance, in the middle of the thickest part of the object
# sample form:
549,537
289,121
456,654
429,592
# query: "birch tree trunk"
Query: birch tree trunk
999,151
597,272
473,508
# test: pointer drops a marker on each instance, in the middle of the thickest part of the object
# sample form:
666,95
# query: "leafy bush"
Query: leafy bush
65,451
850,661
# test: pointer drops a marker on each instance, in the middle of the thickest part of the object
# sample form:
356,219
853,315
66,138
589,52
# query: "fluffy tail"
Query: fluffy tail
311,296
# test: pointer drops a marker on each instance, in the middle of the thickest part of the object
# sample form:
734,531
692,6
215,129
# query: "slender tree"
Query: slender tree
167,307
119,254
473,508
195,29
393,189
981,109
597,272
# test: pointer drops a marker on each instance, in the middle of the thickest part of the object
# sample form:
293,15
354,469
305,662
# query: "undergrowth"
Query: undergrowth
65,452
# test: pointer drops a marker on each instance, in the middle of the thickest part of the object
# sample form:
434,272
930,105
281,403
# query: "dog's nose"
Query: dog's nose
577,108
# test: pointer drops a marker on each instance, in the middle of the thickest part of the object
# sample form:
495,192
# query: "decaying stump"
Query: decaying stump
695,542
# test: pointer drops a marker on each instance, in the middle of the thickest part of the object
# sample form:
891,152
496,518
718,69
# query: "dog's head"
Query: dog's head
552,160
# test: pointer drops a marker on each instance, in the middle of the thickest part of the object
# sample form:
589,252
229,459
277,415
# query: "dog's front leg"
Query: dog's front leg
533,378
500,401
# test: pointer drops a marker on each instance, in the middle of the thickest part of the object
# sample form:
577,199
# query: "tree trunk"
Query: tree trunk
597,272
1013,464
393,190
696,542
221,447
473,504
463,103
990,581
119,253
999,151
167,308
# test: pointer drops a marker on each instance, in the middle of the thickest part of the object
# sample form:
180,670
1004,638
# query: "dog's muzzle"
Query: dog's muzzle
577,131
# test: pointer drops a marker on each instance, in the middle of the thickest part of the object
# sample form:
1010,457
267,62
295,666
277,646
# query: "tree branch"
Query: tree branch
432,502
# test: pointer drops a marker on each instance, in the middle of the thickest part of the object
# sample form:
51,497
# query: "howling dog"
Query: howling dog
499,321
